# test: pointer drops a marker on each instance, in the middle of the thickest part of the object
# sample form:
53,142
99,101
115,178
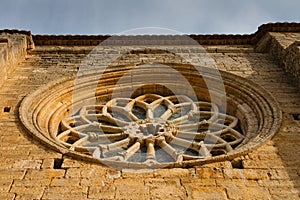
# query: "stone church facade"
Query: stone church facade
44,155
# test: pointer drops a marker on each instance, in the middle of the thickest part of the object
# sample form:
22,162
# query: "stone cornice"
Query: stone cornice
214,39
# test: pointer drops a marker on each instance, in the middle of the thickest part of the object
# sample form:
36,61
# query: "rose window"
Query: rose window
155,126
151,128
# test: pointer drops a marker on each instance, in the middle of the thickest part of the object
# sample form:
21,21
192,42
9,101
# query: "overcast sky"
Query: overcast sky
116,16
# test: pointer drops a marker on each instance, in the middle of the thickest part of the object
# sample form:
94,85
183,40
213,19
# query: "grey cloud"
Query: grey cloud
115,16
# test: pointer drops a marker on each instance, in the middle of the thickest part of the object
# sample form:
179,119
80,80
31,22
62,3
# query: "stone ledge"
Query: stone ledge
215,39
13,48
285,49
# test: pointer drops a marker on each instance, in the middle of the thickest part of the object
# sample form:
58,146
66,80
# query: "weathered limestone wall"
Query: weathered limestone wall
12,50
28,170
285,48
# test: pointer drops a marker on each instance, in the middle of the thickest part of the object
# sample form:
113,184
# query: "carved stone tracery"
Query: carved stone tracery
151,128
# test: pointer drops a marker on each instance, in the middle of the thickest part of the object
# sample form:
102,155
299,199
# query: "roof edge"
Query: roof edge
207,39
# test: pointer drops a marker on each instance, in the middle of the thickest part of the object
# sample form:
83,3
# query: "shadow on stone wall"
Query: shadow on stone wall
272,77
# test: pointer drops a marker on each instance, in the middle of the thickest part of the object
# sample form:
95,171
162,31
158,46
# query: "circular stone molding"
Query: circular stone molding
153,128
